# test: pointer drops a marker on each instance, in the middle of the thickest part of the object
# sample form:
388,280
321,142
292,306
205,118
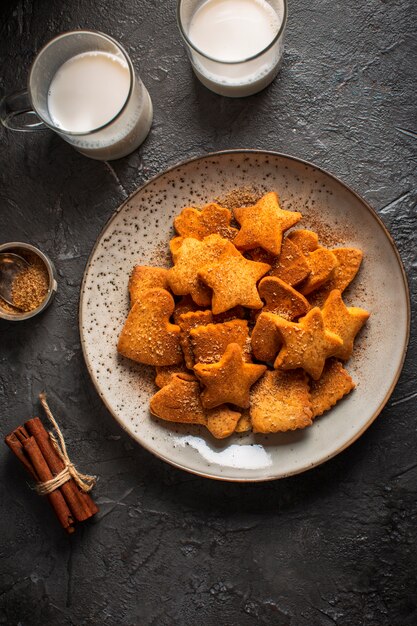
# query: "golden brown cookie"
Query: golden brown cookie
291,266
307,343
259,255
179,401
237,313
185,305
322,264
263,224
233,281
343,321
332,386
244,424
306,240
280,402
212,219
265,339
222,421
349,261
193,254
282,299
209,343
143,278
175,245
186,322
210,272
148,336
164,374
229,380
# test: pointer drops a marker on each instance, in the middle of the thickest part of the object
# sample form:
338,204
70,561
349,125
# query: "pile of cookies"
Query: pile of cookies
248,330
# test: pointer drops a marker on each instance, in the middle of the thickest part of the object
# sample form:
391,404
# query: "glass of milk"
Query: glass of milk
235,46
82,85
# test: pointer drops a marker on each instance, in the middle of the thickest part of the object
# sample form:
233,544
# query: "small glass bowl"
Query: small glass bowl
20,248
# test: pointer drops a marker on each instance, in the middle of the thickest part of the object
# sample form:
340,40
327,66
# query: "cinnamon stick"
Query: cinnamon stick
81,504
16,447
43,472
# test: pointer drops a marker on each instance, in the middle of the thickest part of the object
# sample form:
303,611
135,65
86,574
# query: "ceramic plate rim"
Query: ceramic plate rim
374,415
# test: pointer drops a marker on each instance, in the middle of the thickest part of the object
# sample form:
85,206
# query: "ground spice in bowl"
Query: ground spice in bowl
31,285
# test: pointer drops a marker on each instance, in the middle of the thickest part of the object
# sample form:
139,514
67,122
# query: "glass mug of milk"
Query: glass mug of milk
82,85
235,46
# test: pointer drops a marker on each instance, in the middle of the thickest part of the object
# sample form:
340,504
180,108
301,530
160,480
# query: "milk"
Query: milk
230,31
93,90
88,90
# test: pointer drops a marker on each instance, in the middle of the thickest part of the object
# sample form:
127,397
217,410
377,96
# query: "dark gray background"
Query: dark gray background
333,546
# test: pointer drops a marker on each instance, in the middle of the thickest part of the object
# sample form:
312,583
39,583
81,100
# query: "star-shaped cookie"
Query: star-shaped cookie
263,223
189,258
233,281
229,380
213,218
307,343
344,321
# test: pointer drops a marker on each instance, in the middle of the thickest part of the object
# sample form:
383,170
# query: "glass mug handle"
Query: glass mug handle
16,113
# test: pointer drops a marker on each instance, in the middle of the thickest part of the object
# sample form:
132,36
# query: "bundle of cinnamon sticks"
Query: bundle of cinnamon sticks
32,445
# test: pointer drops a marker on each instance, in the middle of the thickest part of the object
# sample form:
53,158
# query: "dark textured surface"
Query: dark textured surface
336,545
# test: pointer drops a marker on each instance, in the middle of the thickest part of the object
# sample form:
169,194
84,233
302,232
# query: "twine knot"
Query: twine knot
84,481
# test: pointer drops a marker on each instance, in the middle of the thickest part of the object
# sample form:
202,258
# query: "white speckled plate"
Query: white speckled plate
138,233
